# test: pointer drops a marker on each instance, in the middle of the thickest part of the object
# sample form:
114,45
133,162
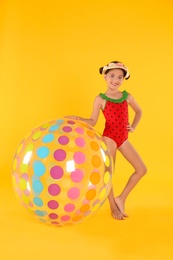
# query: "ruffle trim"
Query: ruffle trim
120,100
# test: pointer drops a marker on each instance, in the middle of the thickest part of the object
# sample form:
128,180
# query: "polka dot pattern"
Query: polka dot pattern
62,172
56,172
116,115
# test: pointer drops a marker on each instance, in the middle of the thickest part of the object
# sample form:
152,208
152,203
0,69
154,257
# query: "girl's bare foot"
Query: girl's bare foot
120,205
116,212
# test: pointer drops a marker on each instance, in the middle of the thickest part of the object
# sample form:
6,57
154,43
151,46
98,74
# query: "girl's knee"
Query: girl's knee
143,170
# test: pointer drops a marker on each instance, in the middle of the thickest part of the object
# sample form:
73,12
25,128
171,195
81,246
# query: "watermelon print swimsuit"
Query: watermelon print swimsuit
116,116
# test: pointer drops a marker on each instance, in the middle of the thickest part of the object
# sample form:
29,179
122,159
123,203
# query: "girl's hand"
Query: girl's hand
130,128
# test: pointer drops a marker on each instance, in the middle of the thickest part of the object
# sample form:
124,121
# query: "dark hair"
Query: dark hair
101,69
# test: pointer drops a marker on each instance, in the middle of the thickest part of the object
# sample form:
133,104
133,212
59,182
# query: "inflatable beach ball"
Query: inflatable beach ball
62,171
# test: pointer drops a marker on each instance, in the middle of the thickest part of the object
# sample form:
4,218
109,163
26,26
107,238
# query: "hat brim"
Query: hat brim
114,66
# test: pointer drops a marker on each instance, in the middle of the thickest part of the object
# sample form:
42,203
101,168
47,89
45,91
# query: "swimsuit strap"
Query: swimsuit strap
120,100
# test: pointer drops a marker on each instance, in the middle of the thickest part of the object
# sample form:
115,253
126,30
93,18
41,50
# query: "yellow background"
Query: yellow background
50,52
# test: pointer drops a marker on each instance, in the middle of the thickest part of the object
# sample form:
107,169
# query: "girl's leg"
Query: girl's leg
131,155
114,209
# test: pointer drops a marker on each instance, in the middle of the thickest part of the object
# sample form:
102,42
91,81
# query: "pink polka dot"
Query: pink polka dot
78,212
56,172
85,201
54,189
65,218
67,129
79,130
23,203
77,175
96,202
27,192
69,207
80,142
87,213
71,122
53,204
55,223
16,177
73,193
53,216
25,176
18,191
59,155
31,204
63,140
79,157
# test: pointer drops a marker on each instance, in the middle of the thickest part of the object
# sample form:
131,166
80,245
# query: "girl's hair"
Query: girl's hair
101,69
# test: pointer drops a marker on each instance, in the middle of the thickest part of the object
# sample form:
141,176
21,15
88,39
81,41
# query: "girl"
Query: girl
114,105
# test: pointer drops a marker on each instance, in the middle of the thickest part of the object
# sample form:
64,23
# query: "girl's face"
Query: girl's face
114,78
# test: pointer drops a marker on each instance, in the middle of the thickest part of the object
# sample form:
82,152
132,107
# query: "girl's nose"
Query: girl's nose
115,81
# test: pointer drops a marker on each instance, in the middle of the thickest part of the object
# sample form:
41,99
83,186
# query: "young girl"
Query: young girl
114,105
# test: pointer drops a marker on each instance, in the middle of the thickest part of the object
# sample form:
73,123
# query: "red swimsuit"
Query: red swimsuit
116,115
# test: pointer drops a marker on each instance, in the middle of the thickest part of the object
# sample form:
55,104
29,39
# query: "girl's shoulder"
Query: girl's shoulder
98,98
99,101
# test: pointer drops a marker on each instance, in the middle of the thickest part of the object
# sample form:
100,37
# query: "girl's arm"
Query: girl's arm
95,113
138,113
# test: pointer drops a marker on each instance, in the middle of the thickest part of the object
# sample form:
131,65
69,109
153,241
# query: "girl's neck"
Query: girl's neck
113,93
